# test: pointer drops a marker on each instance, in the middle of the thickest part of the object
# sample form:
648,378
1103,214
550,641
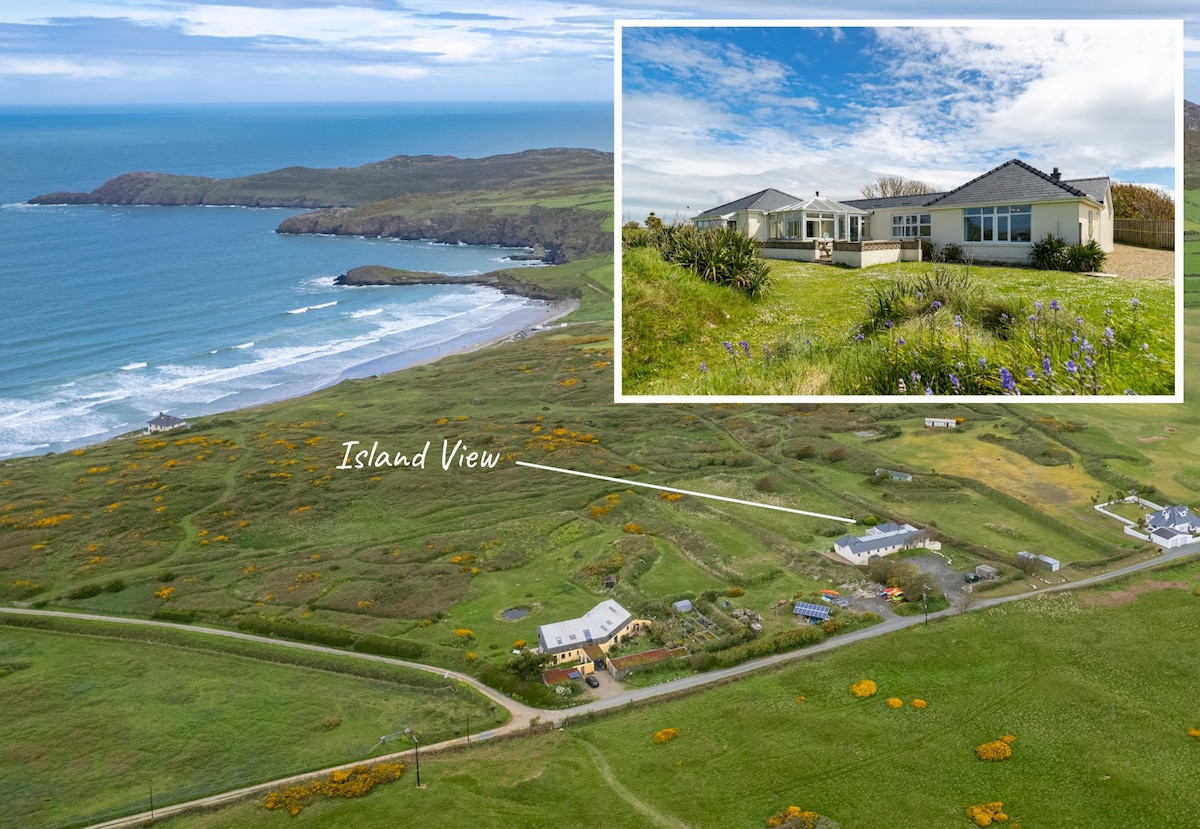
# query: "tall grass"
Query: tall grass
724,255
934,329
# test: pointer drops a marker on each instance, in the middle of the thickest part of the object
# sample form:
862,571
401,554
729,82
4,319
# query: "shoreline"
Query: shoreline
532,320
516,325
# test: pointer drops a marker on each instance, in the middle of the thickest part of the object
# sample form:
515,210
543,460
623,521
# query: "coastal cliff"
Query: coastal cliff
566,233
497,200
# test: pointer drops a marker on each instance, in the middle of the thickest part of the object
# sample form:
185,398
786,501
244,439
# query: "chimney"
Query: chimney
1056,175
818,194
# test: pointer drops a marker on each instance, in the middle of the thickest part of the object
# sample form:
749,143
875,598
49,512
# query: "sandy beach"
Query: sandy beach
519,324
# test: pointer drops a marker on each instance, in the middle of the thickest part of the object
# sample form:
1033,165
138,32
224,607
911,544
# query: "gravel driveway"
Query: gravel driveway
1140,263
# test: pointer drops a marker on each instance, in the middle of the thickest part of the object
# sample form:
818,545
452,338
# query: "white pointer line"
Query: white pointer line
684,491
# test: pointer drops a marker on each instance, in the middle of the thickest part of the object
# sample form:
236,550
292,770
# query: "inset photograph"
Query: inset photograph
813,212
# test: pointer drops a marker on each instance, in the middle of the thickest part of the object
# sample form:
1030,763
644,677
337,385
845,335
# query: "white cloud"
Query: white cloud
721,69
387,70
60,67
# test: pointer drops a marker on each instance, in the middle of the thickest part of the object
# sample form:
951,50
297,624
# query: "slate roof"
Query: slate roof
884,535
769,199
597,626
1097,188
1012,182
166,421
919,200
1165,532
1173,517
812,611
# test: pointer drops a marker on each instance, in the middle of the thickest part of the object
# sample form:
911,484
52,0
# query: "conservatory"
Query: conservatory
817,219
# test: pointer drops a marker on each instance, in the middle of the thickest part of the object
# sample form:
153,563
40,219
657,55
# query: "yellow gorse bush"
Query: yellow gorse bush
994,751
666,735
985,814
352,782
794,817
864,688
895,702
919,703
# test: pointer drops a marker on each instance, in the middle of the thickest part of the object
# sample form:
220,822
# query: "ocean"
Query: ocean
111,315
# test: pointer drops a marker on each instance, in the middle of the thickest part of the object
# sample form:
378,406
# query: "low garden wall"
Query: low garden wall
805,251
865,254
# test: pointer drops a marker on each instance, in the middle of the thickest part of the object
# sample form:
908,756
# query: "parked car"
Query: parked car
972,578
592,681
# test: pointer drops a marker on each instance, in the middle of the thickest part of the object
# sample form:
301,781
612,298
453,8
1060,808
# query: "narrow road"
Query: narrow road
523,715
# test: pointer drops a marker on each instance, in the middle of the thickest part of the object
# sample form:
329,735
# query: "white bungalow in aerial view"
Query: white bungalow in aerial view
993,218
1172,526
888,537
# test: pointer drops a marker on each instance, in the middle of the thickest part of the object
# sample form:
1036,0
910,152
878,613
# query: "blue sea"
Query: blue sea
114,314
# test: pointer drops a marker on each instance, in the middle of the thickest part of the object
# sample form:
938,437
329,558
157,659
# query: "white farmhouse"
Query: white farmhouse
880,540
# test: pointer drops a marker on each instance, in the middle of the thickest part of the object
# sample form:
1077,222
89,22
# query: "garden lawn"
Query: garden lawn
684,338
91,724
1095,686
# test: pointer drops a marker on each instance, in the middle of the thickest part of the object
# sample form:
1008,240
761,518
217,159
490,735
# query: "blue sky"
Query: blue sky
713,112
147,51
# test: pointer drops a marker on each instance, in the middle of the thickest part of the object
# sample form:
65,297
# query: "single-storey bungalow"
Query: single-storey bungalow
165,423
893,474
1172,526
880,540
995,217
587,639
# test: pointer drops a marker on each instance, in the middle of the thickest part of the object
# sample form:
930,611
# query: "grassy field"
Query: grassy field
245,520
1095,687
813,332
92,724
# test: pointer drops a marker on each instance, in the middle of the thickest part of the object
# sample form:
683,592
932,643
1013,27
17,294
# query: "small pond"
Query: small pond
515,613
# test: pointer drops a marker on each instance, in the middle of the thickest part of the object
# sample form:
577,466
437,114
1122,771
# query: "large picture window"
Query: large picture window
912,226
1009,223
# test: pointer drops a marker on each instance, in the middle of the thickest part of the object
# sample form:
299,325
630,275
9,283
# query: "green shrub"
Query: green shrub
951,253
1049,253
1081,257
389,646
724,255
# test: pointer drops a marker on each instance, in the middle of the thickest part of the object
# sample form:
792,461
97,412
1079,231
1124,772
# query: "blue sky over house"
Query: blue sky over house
712,112
218,51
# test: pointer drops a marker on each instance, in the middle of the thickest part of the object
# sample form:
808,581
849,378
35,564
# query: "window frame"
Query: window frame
998,224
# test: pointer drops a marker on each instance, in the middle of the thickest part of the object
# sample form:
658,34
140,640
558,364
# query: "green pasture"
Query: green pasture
1095,686
246,519
93,724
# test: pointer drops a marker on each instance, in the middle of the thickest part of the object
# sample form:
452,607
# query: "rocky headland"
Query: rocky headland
502,280
497,200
